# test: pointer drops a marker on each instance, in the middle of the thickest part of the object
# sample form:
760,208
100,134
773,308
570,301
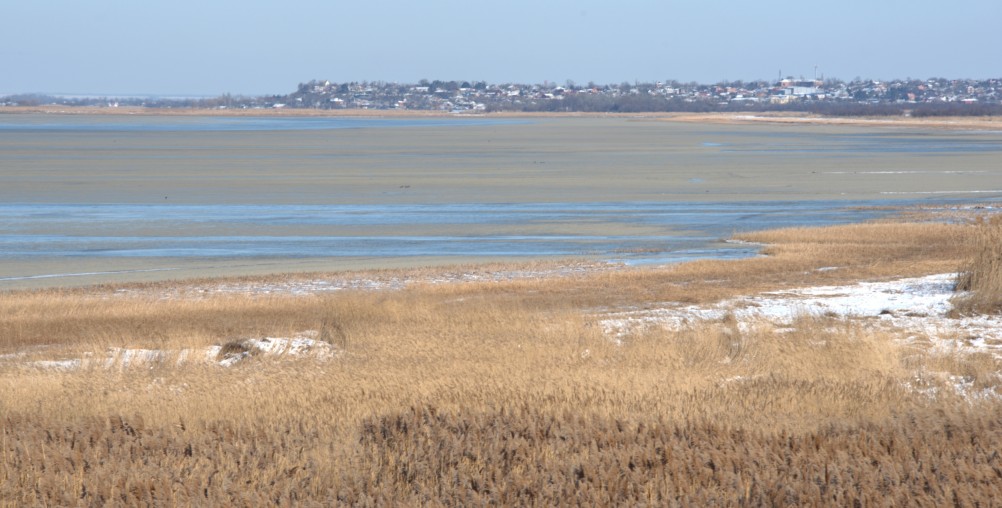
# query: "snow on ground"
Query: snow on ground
303,345
918,306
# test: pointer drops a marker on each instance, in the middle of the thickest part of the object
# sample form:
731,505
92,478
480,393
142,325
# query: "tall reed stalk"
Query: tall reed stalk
981,277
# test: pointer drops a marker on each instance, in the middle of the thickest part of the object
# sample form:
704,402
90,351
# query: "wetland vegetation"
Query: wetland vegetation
505,384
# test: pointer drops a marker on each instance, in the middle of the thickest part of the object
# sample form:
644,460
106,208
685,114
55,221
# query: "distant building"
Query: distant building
799,88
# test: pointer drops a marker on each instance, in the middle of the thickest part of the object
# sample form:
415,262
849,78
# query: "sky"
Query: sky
263,47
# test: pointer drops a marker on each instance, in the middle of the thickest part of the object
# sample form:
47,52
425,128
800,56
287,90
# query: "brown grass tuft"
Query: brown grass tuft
233,349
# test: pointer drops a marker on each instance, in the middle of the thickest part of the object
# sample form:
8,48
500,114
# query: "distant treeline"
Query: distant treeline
581,102
221,101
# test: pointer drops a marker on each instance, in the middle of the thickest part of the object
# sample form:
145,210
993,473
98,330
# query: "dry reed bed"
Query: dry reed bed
508,393
982,274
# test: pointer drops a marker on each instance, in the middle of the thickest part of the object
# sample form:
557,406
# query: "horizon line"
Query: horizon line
173,95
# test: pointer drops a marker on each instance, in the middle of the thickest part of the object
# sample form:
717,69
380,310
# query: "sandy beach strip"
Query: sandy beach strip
987,123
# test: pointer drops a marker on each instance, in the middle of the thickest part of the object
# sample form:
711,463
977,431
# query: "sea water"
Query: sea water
91,188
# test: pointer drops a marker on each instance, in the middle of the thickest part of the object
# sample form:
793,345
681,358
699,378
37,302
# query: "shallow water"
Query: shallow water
157,194
676,231
123,123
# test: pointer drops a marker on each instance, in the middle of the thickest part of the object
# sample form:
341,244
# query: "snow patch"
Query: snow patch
919,306
303,345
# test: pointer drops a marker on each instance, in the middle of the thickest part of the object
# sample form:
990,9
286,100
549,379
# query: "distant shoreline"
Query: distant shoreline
950,122
989,123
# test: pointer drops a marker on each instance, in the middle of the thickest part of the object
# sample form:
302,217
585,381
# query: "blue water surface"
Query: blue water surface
691,230
116,123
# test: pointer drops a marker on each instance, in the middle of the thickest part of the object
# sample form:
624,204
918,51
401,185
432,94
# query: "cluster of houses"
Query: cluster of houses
481,96
477,96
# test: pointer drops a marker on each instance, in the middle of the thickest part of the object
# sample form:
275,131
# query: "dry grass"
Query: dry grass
506,393
981,276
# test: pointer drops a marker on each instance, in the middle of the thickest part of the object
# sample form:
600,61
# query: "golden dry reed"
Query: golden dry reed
981,276
507,393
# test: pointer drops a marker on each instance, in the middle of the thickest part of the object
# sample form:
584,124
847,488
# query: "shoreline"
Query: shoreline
944,123
988,123
95,272
317,277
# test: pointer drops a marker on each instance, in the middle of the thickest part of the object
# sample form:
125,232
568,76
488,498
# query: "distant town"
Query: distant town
913,97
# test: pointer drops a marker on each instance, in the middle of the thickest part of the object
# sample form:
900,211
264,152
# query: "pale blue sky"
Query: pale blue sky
209,47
